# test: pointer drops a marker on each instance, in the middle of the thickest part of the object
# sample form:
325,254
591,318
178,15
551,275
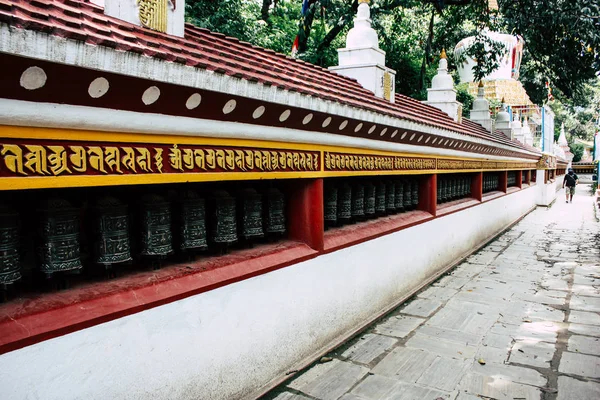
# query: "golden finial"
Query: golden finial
363,1
480,84
502,102
443,54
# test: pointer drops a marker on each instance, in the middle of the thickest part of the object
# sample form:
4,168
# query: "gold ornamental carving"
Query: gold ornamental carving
387,86
153,14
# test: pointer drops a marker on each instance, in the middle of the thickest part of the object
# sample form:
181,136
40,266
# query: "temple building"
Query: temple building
186,215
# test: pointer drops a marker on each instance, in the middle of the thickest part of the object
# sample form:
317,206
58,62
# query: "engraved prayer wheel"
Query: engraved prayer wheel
358,201
454,189
415,194
10,266
192,221
344,206
251,214
155,230
380,198
370,194
407,196
439,192
112,244
59,247
399,196
390,198
469,182
224,227
442,190
275,212
331,200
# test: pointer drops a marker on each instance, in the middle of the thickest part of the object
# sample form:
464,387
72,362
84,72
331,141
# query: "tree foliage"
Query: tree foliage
577,150
562,37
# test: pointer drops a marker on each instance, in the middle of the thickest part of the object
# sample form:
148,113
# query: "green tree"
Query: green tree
413,32
577,150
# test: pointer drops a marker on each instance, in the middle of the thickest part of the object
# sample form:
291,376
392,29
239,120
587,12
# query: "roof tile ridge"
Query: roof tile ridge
275,58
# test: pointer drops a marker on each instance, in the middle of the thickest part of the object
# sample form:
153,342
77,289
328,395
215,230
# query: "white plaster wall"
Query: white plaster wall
546,192
227,343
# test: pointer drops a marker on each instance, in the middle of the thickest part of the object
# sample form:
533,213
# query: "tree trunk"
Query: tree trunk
264,11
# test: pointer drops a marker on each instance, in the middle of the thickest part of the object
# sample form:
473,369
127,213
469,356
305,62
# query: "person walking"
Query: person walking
571,180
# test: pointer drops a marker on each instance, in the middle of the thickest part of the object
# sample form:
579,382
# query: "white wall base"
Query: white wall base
229,342
546,192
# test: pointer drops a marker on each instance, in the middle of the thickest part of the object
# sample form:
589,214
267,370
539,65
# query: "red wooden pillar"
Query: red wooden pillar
306,212
428,194
502,186
477,186
519,179
528,177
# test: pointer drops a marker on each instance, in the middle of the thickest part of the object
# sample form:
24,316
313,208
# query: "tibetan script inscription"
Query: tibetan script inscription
451,164
56,158
360,162
472,164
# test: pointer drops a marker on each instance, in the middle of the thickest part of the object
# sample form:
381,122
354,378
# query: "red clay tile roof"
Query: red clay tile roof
84,21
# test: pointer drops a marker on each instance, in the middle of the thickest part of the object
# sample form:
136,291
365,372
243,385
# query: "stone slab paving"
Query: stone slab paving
518,320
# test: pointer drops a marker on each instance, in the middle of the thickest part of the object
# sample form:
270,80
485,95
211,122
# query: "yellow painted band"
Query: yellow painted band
40,182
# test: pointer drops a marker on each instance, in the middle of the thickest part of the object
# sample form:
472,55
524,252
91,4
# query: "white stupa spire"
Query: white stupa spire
503,123
362,34
363,60
442,94
562,139
480,112
526,132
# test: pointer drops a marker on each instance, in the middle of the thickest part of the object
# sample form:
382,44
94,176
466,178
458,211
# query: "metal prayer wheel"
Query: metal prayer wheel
442,190
224,227
358,201
370,194
439,192
331,200
380,198
156,236
390,198
399,196
454,188
344,206
192,221
407,196
275,212
59,237
251,214
415,194
112,245
10,266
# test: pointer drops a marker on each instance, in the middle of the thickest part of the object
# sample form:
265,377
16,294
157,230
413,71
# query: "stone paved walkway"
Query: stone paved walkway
520,319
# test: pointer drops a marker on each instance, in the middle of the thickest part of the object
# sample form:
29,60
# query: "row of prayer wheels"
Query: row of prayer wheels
352,200
453,187
491,182
157,227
